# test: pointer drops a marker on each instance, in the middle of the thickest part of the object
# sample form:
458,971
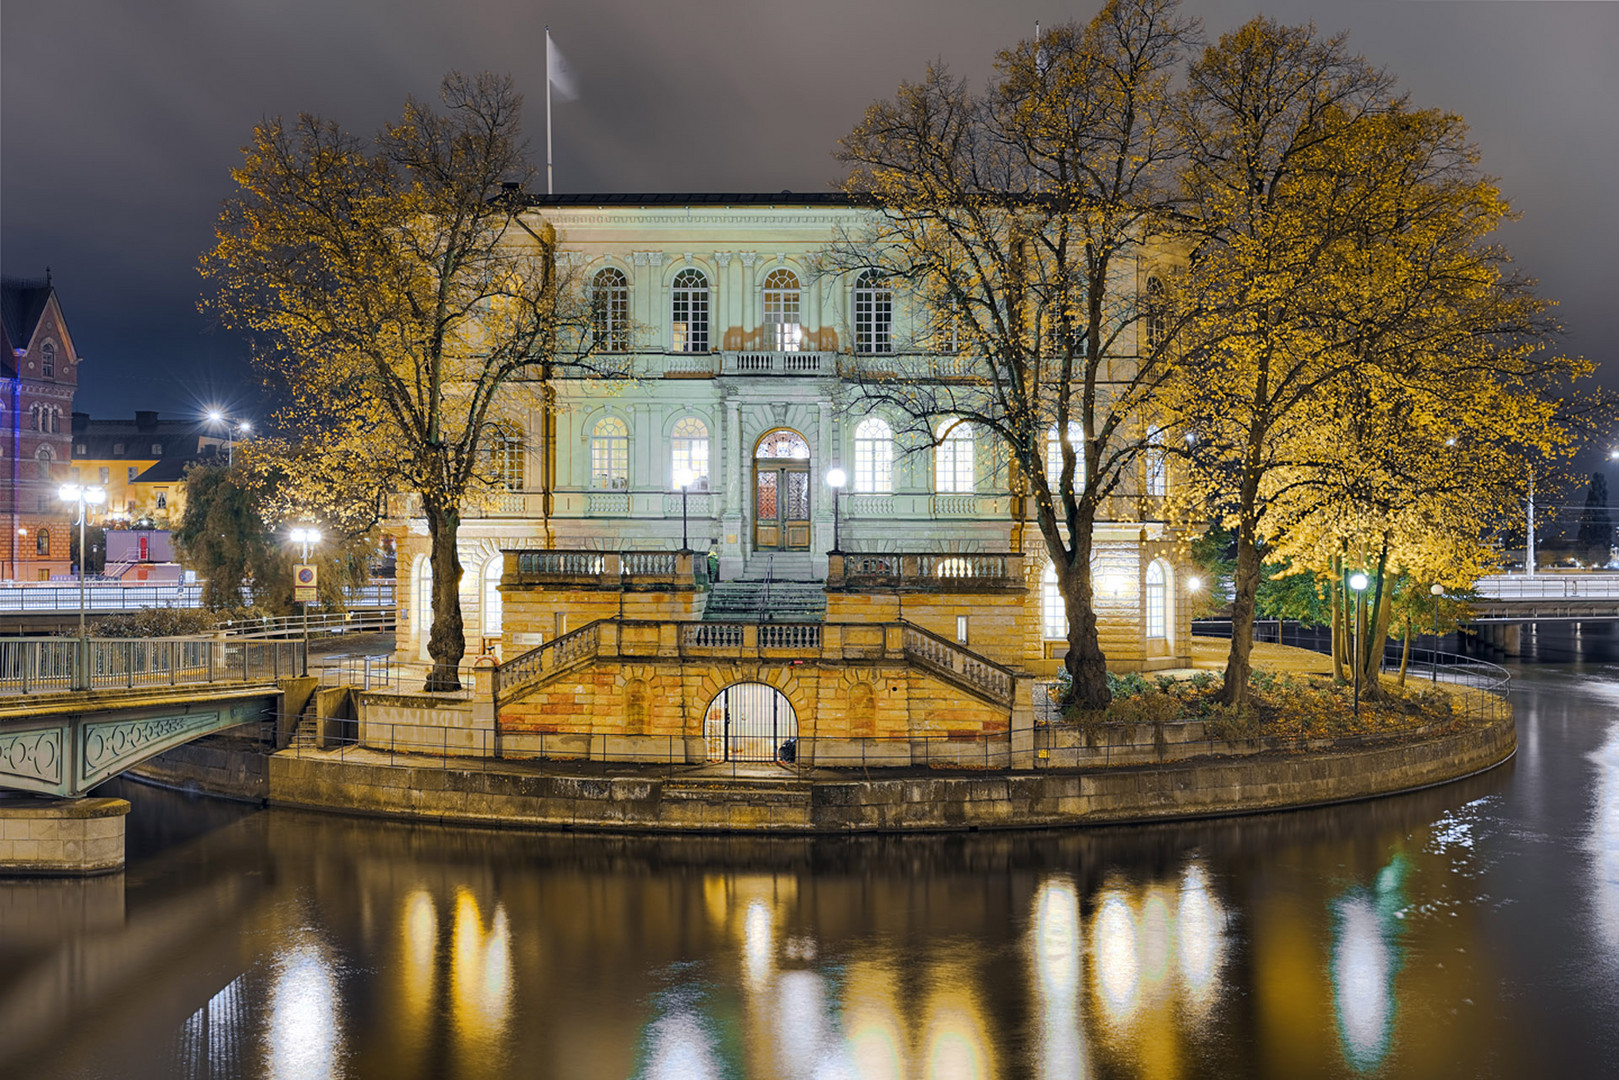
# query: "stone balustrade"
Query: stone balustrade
852,571
606,569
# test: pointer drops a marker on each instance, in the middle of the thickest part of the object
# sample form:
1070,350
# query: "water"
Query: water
1471,930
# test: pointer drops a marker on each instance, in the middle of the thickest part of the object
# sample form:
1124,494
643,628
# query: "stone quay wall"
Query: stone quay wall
1208,787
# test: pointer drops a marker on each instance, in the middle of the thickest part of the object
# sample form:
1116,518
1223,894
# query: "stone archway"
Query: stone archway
750,721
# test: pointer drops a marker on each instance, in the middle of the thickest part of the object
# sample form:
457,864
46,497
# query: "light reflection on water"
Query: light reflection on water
1470,930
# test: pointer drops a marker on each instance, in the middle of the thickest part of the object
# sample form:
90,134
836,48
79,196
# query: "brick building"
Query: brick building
39,371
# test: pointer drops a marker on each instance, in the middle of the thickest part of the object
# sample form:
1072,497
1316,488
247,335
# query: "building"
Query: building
141,462
741,353
39,370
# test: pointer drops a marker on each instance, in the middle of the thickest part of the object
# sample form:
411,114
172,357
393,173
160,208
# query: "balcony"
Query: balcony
779,363
605,569
889,571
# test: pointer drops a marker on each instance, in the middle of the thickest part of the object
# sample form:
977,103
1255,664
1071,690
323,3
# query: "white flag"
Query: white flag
557,70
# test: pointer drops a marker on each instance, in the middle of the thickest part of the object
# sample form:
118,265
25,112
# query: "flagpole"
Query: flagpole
548,110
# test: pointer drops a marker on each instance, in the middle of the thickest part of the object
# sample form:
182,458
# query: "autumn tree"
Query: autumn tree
392,288
1348,312
1018,222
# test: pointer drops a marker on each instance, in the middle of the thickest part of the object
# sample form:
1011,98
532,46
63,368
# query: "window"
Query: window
1076,439
610,310
42,542
134,471
118,448
1157,463
506,458
157,449
43,459
47,360
689,452
492,610
689,316
1153,312
56,420
1054,616
953,458
610,455
782,443
961,629
873,314
873,457
80,449
1157,600
781,297
163,500
106,474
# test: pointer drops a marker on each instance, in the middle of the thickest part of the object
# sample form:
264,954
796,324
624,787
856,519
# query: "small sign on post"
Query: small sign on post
303,584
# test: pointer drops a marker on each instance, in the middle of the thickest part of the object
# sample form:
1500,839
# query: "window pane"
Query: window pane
873,457
690,312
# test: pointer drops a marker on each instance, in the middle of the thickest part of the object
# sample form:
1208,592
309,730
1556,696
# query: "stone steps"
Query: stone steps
745,601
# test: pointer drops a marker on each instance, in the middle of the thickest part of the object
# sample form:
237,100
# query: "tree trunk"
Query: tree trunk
1245,587
1086,663
447,642
1405,652
1378,617
1338,629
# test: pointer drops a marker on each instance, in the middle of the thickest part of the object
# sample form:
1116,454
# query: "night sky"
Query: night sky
119,122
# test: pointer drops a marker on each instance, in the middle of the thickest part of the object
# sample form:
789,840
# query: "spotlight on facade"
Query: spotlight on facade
1194,583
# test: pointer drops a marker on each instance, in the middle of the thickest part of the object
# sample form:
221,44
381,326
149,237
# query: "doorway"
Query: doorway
781,492
750,722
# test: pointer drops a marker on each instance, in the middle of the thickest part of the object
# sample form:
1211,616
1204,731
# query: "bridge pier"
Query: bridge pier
46,836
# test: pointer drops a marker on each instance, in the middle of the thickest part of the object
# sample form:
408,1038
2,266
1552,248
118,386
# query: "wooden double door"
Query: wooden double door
781,505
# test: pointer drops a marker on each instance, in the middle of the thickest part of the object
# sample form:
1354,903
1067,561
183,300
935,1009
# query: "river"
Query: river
1470,930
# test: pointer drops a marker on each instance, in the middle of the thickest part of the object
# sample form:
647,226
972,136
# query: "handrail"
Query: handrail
531,664
764,597
966,668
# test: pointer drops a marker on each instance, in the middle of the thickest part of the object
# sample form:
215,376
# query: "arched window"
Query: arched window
42,542
35,417
1153,312
492,599
873,314
1076,439
610,310
1157,600
783,331
689,452
953,458
1054,616
873,456
782,443
47,360
44,459
506,457
1157,463
610,455
689,317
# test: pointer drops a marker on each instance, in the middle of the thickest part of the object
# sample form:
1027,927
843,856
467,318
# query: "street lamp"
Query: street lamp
1436,590
684,479
82,497
835,479
232,429
304,577
1358,582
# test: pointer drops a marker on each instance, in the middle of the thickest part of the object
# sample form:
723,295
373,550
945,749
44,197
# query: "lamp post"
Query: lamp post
835,479
1436,590
1357,582
82,497
232,429
305,535
684,480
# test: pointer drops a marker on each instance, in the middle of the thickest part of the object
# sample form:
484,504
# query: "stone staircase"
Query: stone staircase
778,587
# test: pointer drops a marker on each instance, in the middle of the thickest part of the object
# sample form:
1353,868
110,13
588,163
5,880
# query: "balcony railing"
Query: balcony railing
925,571
611,569
779,363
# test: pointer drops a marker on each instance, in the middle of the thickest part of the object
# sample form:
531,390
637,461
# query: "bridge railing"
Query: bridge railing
326,624
1548,587
35,665
101,597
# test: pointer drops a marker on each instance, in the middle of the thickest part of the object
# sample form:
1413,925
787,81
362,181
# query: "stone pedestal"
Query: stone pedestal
61,836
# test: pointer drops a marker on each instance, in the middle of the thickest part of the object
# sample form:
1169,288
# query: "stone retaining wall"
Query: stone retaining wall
1197,788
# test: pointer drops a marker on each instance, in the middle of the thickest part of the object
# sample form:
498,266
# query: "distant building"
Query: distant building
39,370
141,462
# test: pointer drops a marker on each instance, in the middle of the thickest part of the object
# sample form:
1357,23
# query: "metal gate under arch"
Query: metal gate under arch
750,722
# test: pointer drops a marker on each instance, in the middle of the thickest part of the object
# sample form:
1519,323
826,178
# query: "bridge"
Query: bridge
1547,597
139,697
